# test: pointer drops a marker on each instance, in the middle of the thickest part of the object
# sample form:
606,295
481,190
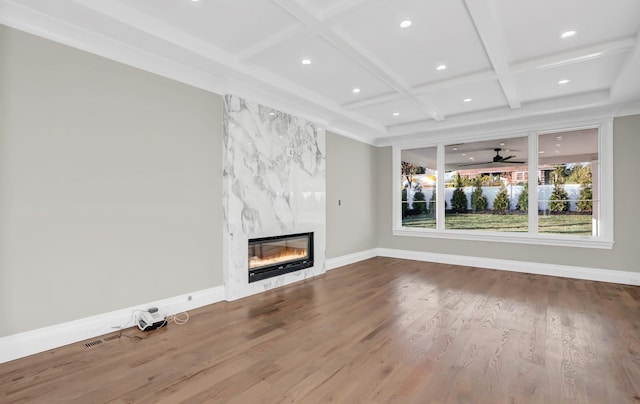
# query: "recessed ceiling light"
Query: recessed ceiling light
563,81
356,90
464,154
454,148
396,113
559,138
558,145
441,68
541,152
272,113
467,100
567,34
306,61
502,144
471,158
405,24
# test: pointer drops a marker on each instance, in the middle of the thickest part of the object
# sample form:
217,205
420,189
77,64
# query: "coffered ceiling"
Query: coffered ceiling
460,63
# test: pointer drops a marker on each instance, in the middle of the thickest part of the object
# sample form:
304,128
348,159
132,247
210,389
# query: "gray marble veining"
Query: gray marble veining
274,183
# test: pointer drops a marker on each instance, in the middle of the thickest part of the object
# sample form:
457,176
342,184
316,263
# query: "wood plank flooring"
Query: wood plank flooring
380,331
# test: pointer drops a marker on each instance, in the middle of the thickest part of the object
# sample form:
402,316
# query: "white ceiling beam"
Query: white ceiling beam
299,31
367,102
491,34
576,56
601,50
358,55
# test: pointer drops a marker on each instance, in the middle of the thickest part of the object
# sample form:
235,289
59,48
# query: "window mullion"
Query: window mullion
440,197
532,209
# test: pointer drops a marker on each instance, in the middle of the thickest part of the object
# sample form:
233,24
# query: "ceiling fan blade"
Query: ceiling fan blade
507,158
474,164
511,162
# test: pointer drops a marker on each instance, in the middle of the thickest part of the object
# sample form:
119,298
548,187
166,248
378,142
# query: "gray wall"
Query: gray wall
623,256
110,185
351,226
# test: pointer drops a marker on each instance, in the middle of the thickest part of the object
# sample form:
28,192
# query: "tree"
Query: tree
501,202
585,200
523,199
419,202
478,199
559,199
560,174
459,199
580,174
410,189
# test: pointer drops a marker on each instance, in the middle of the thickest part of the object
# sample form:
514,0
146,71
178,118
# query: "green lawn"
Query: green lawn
557,224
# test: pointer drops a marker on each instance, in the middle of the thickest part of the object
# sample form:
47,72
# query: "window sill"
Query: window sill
519,238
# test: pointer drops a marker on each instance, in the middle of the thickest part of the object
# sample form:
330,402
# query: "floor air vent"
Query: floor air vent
93,343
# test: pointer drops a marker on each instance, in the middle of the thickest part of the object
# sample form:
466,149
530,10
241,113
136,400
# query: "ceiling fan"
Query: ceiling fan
496,159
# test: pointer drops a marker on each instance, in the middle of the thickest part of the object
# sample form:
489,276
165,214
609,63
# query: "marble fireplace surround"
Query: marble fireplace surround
274,183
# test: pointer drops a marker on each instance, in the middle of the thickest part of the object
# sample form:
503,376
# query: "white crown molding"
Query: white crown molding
566,271
42,339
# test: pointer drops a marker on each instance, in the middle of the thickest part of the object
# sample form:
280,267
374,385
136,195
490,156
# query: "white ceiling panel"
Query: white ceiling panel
482,95
384,112
330,73
533,28
595,74
231,25
445,37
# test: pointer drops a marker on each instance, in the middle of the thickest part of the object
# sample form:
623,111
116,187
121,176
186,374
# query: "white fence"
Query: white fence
514,191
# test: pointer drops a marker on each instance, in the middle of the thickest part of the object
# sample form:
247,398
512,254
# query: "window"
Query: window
418,179
566,164
481,186
549,187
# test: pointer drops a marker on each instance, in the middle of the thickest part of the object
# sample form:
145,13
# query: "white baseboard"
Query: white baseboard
31,342
567,271
333,263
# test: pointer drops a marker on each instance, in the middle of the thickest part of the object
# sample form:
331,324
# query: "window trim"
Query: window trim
604,218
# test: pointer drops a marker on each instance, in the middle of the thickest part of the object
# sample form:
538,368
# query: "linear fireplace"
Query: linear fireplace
273,256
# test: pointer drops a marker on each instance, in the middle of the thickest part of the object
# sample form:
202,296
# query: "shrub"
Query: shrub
523,198
478,199
585,203
559,199
459,199
501,203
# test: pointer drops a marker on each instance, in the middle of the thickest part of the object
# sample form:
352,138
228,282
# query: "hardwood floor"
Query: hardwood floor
382,330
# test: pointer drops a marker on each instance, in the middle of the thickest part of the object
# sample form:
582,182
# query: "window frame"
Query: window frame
604,217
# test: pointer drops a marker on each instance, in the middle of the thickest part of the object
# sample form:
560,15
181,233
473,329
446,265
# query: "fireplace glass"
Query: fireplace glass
273,256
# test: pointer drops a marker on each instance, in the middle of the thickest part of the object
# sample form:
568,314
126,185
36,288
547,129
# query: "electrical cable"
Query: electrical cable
179,318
